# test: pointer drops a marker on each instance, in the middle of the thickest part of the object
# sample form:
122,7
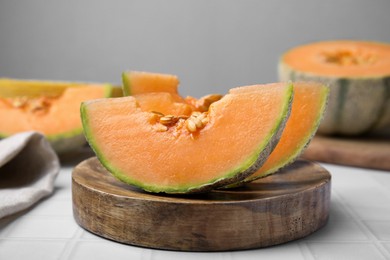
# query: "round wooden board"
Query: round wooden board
280,208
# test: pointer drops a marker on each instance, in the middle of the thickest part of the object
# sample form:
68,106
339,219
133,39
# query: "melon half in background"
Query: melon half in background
358,74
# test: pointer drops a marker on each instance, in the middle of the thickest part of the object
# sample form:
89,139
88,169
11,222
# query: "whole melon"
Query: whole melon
358,74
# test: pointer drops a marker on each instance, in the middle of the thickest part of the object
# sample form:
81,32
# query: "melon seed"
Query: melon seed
19,102
197,122
191,126
205,120
183,117
157,113
196,113
205,102
212,98
168,120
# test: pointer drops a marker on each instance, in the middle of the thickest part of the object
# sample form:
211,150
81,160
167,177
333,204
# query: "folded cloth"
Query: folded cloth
28,169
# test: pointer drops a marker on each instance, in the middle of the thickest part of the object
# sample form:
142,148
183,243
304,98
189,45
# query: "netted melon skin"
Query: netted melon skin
356,106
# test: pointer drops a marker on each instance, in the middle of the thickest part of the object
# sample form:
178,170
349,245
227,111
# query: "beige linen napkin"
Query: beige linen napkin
28,168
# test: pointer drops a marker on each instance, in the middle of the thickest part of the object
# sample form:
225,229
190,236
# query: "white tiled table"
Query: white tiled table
358,227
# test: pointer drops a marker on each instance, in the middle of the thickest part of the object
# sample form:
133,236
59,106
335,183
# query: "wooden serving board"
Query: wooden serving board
280,208
369,152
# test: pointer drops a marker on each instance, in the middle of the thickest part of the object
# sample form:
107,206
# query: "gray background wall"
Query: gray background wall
212,45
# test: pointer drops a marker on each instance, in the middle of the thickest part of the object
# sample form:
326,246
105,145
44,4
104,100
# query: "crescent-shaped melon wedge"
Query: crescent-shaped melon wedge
240,132
308,108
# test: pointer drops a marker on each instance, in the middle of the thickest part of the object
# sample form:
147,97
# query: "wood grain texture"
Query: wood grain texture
282,207
373,152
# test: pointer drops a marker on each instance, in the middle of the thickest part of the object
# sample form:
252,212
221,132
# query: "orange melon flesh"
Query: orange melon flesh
61,117
162,102
137,82
233,144
340,58
308,108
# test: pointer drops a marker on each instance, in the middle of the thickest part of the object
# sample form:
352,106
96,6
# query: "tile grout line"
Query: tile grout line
363,227
305,250
71,244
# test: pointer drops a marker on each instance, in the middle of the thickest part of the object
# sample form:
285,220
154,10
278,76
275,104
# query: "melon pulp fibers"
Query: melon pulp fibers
241,131
307,110
49,107
358,74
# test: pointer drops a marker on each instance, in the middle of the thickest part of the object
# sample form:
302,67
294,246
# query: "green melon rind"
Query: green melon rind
70,140
34,87
291,158
382,126
304,142
100,155
62,142
18,87
126,84
249,166
357,105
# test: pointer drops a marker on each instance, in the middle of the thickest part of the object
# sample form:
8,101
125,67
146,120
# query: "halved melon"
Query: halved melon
52,108
308,108
182,155
358,74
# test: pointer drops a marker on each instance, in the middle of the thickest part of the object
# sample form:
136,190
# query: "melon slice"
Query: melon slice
138,82
308,108
52,108
211,149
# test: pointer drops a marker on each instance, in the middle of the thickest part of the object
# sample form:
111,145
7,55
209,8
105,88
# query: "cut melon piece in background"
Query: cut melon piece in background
135,83
138,82
236,136
49,107
162,102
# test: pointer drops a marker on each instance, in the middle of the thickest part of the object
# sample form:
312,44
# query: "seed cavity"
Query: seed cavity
39,104
32,104
191,126
349,57
193,123
19,102
157,113
196,121
168,120
205,121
